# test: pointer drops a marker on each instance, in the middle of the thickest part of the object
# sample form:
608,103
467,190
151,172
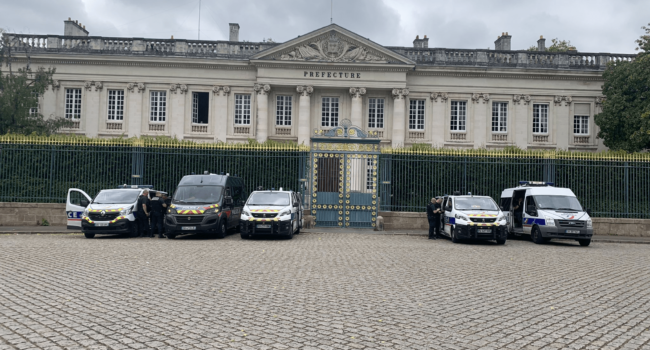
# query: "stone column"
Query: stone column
399,123
437,125
518,121
480,119
176,110
91,99
304,115
220,122
356,112
563,121
134,114
262,111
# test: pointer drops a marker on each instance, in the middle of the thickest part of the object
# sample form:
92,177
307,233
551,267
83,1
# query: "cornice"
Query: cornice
502,75
333,67
124,63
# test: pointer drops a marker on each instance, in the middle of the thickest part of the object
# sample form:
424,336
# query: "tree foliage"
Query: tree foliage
19,93
625,120
560,45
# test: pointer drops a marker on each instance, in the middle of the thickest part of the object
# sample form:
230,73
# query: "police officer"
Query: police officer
437,211
144,207
158,208
431,208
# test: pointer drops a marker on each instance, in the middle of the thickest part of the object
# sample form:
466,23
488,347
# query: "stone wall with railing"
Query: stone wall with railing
244,50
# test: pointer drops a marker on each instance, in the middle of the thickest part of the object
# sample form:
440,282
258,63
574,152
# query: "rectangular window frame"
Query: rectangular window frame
283,110
499,117
458,116
157,106
581,125
540,122
242,109
376,110
195,108
73,103
330,108
115,105
417,114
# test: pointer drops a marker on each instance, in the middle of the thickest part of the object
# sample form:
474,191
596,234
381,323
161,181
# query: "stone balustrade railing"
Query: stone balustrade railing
243,50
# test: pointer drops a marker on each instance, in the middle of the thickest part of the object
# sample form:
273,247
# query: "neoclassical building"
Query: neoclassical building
235,90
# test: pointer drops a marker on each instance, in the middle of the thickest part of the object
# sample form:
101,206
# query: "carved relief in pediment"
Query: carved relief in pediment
332,48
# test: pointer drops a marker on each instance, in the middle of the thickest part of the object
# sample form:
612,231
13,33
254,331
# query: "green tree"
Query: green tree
19,92
625,120
560,45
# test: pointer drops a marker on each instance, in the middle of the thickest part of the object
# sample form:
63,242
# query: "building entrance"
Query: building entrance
344,167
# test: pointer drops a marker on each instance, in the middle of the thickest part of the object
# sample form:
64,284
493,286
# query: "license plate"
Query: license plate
102,224
188,228
572,231
484,231
263,226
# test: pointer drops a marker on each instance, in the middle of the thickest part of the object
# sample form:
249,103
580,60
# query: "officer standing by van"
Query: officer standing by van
158,207
431,216
144,207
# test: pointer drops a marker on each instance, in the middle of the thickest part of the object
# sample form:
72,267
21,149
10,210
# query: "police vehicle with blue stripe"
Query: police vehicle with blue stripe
546,212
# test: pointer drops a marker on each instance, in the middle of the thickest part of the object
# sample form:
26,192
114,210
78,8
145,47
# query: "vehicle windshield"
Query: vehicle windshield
116,196
475,203
269,198
558,203
198,194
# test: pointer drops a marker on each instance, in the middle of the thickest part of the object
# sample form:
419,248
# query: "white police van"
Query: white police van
271,212
111,212
473,217
546,212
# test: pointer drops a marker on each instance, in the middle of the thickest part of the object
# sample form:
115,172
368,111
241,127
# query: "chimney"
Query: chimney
421,43
234,32
541,43
503,42
74,28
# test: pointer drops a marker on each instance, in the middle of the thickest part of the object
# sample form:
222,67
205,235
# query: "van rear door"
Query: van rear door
75,206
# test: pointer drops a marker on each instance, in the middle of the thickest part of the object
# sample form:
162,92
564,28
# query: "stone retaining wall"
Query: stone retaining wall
31,214
602,226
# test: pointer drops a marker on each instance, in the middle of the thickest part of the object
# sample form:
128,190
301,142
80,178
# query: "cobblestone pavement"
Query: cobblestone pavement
320,291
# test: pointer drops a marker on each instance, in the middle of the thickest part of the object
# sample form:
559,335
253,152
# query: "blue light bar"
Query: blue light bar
535,183
149,187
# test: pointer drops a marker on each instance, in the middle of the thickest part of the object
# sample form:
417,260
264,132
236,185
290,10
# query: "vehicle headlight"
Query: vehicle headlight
550,221
85,212
247,213
285,212
171,210
125,212
589,223
500,217
462,217
216,210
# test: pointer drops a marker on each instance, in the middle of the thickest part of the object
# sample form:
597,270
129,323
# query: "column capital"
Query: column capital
399,94
97,84
600,100
480,96
357,92
558,100
521,98
305,90
221,90
262,89
175,87
442,95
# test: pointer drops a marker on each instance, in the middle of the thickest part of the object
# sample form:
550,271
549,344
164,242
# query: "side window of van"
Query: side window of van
505,203
529,202
237,195
449,205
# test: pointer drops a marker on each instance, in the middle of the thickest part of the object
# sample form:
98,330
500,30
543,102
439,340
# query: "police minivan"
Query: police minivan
206,203
272,213
111,212
473,217
546,212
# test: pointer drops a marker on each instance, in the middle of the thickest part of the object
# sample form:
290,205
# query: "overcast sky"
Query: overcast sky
591,26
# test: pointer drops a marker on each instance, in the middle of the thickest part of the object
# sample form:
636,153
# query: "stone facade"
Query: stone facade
235,90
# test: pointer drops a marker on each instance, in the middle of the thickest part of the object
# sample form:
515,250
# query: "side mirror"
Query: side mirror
501,207
295,204
588,211
228,201
532,210
84,203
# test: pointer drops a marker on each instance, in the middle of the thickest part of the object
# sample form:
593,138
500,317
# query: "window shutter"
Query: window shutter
581,109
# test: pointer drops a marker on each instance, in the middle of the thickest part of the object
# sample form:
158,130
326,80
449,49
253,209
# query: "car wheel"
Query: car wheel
584,242
454,237
290,235
221,232
501,241
244,235
536,236
171,236
298,228
89,235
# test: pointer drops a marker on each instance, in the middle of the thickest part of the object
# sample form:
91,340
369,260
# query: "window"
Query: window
458,115
540,118
416,115
200,107
283,110
330,111
73,103
158,106
242,109
529,203
115,105
581,119
376,113
499,117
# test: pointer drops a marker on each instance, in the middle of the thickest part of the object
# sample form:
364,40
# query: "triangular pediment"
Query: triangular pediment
332,44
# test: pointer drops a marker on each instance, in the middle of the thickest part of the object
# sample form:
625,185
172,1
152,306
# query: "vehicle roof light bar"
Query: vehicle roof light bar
535,183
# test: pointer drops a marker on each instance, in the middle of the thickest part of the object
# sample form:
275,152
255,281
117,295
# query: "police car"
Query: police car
546,212
473,217
111,212
272,212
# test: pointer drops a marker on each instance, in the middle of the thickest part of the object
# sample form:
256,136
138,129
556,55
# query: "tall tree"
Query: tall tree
625,120
19,93
557,45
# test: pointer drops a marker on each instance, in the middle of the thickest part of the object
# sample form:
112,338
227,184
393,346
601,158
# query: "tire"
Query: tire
584,242
244,235
89,235
536,236
290,235
221,233
171,236
134,229
298,229
501,241
454,238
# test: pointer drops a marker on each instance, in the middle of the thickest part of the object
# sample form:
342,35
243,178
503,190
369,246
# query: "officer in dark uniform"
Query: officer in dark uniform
437,211
144,208
158,208
431,207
